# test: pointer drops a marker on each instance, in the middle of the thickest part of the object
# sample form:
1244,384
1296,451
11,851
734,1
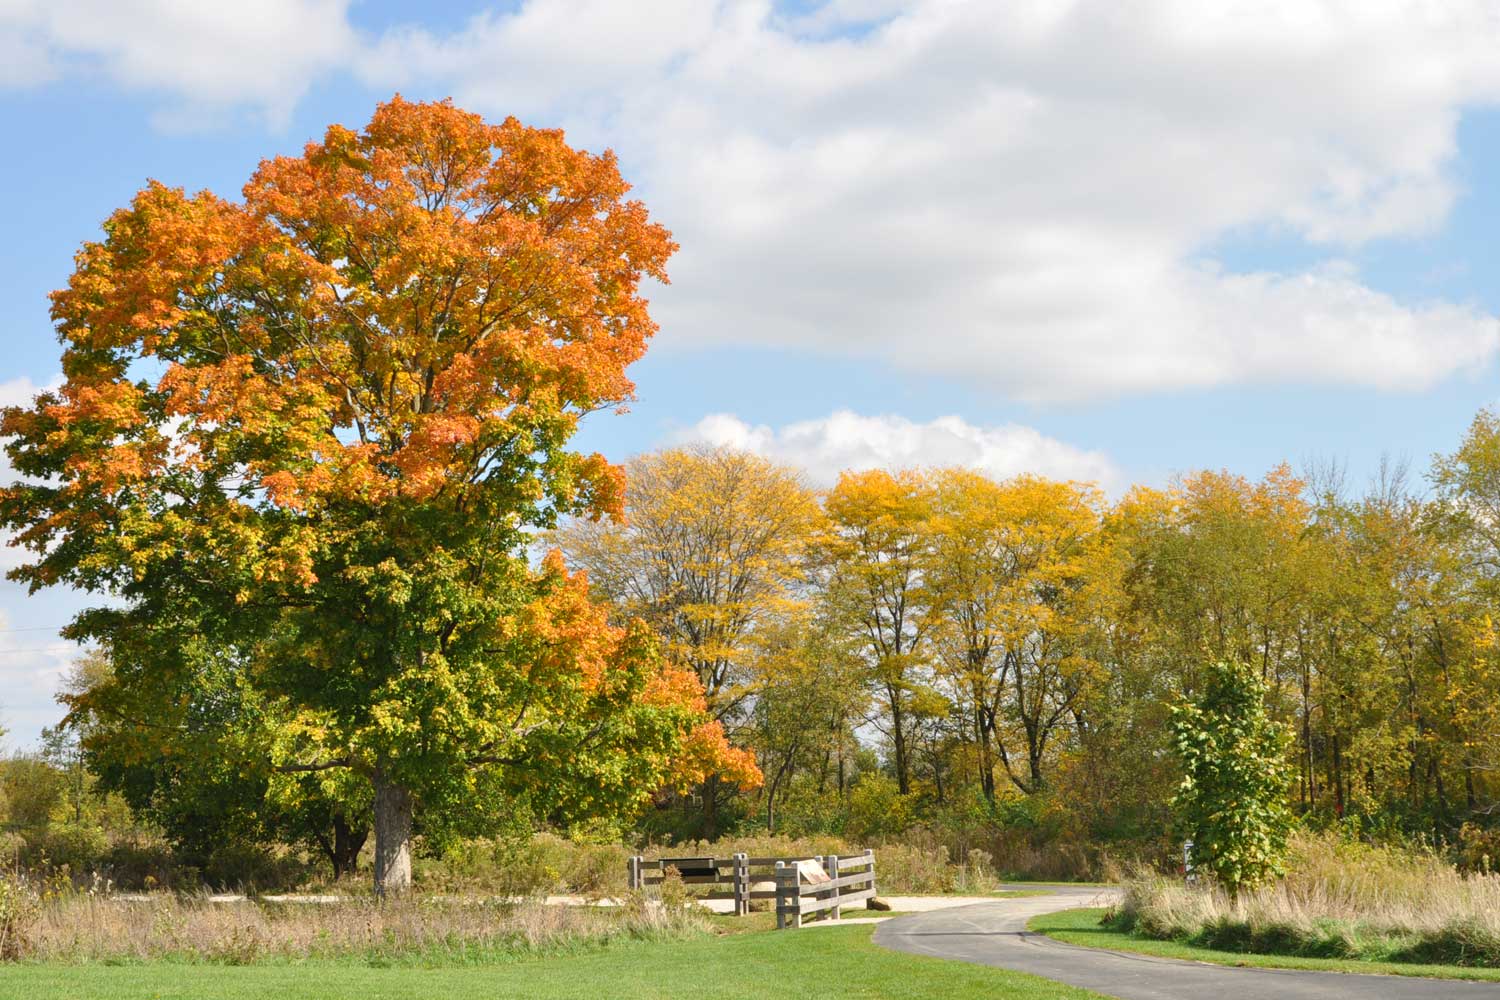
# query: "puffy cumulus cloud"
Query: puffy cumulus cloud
203,58
1017,193
566,58
1020,194
846,440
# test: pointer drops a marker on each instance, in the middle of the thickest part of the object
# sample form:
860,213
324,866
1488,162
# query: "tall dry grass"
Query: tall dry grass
83,927
1340,900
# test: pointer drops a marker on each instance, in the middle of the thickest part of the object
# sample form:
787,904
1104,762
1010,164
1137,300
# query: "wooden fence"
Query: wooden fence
801,886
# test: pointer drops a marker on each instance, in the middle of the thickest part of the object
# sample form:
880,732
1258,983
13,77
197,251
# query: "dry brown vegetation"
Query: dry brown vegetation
1339,900
74,926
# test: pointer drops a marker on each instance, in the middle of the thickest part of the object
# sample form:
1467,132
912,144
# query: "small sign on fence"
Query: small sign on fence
695,867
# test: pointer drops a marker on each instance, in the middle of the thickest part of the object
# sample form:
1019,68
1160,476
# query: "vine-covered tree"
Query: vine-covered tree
1233,798
331,414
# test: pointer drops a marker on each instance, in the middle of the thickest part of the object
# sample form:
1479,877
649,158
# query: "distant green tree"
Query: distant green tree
169,721
1232,800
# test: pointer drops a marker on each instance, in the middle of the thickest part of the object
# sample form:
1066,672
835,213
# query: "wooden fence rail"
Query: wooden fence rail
804,886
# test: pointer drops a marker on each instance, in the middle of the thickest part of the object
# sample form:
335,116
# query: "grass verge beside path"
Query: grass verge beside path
835,963
762,920
1082,927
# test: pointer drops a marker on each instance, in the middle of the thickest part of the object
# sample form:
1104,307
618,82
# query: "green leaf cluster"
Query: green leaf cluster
1232,800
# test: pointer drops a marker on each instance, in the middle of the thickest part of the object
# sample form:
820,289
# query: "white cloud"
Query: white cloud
16,392
32,663
21,391
32,655
849,441
1018,193
205,58
575,54
1023,194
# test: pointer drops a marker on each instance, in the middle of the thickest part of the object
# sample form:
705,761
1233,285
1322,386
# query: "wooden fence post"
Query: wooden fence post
633,872
780,909
788,895
832,867
822,860
741,884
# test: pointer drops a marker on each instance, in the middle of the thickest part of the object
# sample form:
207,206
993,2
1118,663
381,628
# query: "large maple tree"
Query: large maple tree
331,414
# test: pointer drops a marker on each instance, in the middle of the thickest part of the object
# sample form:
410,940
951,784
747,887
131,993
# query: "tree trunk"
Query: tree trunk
1339,783
348,841
898,739
343,850
1309,783
392,837
985,722
709,829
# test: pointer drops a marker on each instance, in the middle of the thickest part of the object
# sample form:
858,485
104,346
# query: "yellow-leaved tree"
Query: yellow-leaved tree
1011,567
712,554
876,559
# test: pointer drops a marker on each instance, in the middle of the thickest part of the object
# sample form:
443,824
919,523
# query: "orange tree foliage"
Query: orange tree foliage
330,414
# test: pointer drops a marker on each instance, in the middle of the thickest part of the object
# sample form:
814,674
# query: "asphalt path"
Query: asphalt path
994,933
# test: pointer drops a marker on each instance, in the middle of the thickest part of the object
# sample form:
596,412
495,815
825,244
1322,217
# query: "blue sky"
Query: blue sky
1084,238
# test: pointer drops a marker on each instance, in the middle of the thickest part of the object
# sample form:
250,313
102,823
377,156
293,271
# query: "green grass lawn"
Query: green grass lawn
1082,927
834,963
765,920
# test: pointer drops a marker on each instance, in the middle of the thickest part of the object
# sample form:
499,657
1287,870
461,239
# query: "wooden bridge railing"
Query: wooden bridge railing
806,886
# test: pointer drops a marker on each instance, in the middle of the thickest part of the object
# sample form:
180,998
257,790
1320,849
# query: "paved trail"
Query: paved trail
994,933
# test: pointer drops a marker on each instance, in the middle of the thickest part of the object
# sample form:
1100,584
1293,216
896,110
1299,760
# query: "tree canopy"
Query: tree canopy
306,436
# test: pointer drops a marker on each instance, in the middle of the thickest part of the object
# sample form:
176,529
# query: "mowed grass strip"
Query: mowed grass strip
834,963
1082,927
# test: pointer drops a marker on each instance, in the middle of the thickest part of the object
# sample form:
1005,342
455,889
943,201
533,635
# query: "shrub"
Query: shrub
12,845
1477,849
78,847
507,867
1338,900
877,809
527,867
19,905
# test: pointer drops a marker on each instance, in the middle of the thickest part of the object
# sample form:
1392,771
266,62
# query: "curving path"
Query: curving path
994,933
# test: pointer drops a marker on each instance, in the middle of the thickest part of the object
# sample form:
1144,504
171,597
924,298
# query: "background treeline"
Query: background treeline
993,662
924,658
